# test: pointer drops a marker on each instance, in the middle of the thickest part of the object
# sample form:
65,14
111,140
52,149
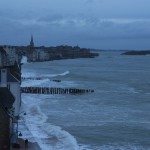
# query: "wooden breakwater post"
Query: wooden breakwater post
47,90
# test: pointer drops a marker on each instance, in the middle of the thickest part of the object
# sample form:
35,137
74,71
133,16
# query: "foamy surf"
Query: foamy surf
24,60
54,75
65,73
45,81
33,83
58,139
27,74
48,136
116,112
30,74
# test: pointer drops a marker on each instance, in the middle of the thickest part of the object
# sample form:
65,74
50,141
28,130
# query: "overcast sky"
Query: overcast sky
101,24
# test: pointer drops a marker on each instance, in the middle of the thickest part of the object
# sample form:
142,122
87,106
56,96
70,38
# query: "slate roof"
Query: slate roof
10,78
2,50
6,97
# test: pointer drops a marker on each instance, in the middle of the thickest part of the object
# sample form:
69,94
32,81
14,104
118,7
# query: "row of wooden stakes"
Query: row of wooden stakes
46,90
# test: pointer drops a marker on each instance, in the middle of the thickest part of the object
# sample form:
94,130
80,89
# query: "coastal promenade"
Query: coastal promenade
31,146
26,134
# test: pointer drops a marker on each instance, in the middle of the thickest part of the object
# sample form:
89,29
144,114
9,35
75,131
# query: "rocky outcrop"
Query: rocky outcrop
142,52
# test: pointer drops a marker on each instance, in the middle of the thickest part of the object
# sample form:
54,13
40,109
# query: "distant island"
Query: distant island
135,52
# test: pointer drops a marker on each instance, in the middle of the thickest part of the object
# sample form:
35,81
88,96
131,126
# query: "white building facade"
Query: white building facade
12,54
13,84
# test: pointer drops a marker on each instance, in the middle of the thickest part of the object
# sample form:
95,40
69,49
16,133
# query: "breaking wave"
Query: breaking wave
24,59
55,75
65,73
48,136
32,74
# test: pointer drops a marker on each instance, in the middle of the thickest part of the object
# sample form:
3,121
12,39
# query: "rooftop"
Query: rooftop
2,50
10,77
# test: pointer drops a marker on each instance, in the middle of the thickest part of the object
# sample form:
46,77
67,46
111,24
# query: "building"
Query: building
10,78
30,50
12,55
6,123
3,57
31,42
10,81
36,53
40,54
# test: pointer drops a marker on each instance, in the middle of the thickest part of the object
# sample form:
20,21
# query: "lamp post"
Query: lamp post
19,133
17,145
16,132
18,118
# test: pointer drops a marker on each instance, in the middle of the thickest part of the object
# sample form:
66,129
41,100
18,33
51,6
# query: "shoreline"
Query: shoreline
26,134
31,145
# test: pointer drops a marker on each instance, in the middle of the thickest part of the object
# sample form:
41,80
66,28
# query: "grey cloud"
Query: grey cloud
81,21
90,1
85,27
54,17
112,30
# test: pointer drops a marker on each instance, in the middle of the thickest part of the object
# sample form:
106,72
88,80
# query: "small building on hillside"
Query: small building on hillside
6,118
3,57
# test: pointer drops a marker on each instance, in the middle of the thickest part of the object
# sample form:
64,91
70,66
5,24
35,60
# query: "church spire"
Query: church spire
31,42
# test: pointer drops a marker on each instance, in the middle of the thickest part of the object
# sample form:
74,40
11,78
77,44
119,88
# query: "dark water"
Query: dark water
116,116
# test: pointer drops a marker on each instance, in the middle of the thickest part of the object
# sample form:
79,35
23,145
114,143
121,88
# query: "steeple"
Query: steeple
31,42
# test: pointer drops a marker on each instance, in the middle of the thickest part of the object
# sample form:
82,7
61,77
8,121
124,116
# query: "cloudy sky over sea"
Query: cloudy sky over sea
101,24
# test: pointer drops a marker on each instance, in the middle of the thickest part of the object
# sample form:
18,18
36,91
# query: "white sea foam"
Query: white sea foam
28,74
24,60
104,108
47,83
58,139
33,83
54,75
48,136
65,73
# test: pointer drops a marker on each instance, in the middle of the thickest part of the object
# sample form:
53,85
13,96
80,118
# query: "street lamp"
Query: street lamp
23,112
17,133
20,134
18,117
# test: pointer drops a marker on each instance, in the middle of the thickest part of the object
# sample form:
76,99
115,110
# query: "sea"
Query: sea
115,117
